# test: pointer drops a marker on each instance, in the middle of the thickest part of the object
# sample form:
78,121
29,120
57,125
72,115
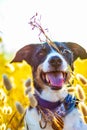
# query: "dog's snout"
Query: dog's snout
55,61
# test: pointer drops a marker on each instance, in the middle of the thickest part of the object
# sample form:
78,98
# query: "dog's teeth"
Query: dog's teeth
47,79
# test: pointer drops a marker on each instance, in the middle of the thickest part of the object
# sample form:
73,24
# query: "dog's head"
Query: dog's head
51,69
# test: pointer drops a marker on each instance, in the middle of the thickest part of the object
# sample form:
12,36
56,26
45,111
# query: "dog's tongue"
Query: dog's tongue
55,79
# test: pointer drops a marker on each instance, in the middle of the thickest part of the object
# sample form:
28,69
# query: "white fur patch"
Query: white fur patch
54,95
46,65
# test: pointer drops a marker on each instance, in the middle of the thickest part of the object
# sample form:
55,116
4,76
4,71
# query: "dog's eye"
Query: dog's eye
65,51
68,56
42,52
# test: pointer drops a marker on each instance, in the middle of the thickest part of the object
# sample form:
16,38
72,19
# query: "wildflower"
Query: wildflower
4,110
80,93
3,127
28,82
33,101
71,89
81,78
7,82
83,108
2,96
9,110
19,107
28,90
35,23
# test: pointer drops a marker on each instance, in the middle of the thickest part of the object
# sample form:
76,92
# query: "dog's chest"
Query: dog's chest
71,122
32,119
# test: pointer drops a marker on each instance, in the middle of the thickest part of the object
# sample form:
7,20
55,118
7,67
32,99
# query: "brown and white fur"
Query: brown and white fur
46,62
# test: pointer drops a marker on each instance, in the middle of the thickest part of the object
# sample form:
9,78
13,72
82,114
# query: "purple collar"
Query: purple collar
46,104
61,108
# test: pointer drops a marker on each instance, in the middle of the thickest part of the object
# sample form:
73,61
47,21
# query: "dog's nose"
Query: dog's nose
55,61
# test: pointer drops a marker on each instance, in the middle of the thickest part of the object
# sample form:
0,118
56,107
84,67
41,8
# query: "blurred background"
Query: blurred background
66,20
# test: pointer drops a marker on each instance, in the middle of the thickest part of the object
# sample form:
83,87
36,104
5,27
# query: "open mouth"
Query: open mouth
54,79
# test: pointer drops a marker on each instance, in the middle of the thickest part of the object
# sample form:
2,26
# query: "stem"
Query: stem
36,24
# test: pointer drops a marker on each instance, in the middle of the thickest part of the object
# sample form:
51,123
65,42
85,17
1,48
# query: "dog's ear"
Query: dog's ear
77,50
25,53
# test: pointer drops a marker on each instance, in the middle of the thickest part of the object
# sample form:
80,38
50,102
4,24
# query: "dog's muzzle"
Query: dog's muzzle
54,71
54,79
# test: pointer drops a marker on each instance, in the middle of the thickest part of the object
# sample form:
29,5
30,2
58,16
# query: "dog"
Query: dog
51,71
